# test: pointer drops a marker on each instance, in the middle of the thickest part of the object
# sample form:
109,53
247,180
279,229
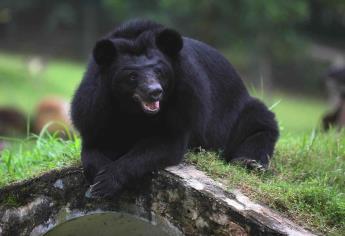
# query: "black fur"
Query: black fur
104,52
204,104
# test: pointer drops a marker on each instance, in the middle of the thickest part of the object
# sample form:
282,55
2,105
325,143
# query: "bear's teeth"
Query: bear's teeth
153,106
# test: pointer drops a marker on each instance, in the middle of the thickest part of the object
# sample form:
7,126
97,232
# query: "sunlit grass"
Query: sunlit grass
297,114
21,89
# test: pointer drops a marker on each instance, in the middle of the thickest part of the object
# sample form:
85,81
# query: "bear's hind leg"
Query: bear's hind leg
253,138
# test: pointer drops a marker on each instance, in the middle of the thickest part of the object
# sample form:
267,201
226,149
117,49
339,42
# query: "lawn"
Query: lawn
22,89
306,180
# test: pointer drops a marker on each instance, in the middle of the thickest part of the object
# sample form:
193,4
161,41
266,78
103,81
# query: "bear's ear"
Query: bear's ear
104,52
169,42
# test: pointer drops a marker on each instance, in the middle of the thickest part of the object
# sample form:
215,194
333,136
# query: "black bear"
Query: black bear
149,94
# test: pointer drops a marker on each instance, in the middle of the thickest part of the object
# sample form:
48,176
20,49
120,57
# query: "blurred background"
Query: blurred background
285,51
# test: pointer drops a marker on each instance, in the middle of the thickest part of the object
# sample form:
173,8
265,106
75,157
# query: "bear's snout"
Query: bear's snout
155,91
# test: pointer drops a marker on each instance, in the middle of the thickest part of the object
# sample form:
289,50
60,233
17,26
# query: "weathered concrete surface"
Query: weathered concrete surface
181,197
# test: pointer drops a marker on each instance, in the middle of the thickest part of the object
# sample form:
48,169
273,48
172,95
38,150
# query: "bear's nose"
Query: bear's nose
155,92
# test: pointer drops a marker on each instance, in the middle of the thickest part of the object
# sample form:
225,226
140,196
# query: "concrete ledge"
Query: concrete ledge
181,197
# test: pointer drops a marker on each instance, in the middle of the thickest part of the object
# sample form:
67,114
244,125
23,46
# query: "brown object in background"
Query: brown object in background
55,110
336,90
12,122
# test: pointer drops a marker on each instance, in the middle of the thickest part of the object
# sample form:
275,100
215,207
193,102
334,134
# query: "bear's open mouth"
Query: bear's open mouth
151,107
148,107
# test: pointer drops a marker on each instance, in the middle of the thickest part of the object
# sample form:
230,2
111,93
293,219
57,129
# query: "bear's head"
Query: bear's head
139,71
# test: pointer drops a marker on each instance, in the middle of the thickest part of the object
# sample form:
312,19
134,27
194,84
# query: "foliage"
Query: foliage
267,34
220,21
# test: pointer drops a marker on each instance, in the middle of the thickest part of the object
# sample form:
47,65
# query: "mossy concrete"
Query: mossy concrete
181,197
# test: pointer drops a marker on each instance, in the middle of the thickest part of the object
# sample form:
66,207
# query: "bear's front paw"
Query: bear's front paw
106,183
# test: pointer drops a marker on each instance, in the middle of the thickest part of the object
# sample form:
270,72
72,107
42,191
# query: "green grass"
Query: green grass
36,154
306,180
297,114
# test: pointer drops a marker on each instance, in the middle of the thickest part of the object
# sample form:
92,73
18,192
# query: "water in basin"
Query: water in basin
106,224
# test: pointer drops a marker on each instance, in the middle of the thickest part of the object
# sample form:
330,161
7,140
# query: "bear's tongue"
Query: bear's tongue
151,106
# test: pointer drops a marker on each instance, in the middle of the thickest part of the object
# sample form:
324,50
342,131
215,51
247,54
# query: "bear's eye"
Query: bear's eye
132,76
158,72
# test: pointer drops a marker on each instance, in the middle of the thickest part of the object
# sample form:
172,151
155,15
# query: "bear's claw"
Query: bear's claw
106,184
250,164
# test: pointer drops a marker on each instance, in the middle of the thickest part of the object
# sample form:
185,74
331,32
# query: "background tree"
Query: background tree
266,40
